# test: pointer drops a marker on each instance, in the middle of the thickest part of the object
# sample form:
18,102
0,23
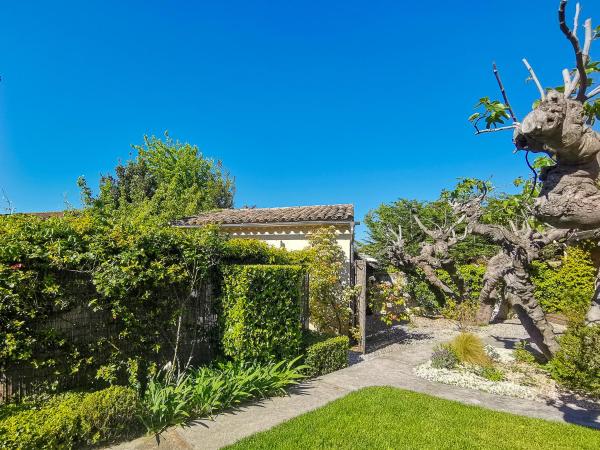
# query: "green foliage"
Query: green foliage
568,288
328,293
137,279
72,420
172,400
166,180
387,300
109,414
493,113
327,355
261,312
444,357
577,363
470,349
253,251
492,373
523,355
401,214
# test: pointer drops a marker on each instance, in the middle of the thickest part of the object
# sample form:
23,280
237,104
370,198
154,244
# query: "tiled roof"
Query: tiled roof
292,214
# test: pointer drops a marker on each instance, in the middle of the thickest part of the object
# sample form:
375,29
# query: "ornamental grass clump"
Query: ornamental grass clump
470,349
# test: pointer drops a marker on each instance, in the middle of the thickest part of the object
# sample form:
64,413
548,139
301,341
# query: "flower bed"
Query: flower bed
464,377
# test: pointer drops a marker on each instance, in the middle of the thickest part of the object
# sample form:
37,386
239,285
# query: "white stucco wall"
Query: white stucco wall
292,237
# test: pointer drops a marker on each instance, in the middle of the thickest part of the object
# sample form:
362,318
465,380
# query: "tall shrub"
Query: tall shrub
261,318
568,288
329,291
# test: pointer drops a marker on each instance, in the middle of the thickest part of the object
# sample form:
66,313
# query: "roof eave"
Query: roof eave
270,224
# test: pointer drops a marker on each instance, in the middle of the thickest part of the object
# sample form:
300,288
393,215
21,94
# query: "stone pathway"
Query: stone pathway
390,365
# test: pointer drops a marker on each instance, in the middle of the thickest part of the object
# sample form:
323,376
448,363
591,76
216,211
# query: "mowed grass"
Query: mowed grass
389,418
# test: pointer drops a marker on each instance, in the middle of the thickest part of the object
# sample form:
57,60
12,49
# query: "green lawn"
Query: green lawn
389,418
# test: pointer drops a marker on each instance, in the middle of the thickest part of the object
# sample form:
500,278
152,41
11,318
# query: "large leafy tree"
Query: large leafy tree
166,180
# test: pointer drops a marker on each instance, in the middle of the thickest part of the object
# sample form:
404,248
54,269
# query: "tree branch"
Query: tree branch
504,96
493,130
594,92
567,80
535,79
425,230
580,55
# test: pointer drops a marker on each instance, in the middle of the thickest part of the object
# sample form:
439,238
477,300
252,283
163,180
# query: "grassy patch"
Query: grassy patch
384,417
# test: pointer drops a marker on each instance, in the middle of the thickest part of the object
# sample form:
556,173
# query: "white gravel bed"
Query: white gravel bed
464,378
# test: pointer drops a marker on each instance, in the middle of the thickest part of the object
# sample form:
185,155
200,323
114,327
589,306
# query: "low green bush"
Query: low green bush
577,363
492,373
444,357
522,354
326,355
261,312
52,426
109,414
71,420
171,400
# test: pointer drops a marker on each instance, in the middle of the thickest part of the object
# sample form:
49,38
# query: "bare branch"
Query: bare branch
580,55
567,80
493,130
535,79
594,92
504,96
576,18
426,230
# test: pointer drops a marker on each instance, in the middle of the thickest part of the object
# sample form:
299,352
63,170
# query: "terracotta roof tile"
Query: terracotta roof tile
291,214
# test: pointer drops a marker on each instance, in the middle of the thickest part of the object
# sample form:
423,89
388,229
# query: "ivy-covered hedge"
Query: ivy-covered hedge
89,300
73,420
261,318
325,355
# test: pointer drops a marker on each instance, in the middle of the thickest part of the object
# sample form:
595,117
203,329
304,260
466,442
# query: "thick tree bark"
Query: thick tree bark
495,271
501,310
519,292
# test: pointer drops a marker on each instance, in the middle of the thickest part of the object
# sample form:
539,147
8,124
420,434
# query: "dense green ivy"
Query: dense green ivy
128,283
261,312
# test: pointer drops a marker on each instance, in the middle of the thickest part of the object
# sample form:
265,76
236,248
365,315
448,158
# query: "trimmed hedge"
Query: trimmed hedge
73,419
327,355
261,312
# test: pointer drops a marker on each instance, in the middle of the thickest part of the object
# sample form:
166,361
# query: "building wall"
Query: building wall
293,237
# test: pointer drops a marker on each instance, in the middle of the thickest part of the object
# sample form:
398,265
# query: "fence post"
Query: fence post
305,299
360,268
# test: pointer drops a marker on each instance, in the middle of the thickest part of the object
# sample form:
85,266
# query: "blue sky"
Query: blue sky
305,102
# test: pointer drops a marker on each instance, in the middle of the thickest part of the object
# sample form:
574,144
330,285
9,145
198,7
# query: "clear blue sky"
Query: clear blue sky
305,102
